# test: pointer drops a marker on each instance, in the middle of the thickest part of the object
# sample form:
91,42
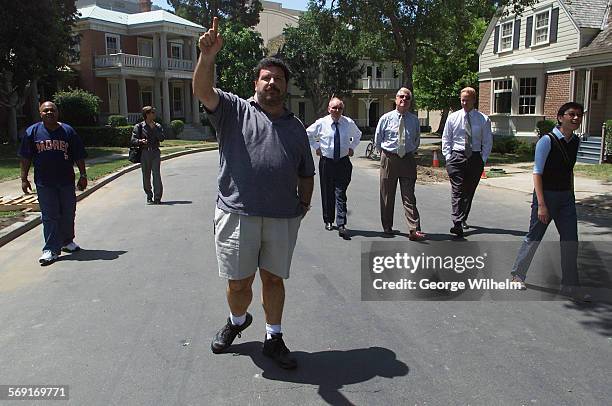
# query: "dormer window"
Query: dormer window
505,36
541,27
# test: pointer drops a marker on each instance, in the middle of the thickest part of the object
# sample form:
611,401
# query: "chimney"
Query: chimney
145,5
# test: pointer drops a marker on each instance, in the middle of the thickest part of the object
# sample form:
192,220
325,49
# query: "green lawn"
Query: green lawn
599,171
9,162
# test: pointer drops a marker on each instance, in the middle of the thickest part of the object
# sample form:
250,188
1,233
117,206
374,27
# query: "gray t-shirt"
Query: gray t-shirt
260,159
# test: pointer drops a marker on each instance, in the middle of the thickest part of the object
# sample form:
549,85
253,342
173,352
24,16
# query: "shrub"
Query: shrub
544,127
177,127
505,145
117,121
525,148
608,135
105,136
77,107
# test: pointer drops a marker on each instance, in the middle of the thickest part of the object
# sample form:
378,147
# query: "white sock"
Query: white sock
237,320
272,329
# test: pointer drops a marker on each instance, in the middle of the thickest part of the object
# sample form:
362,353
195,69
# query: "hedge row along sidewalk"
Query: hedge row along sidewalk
112,166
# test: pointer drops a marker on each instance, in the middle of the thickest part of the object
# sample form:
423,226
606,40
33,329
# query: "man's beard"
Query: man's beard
271,98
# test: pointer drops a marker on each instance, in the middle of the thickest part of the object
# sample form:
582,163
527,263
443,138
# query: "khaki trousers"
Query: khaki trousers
392,169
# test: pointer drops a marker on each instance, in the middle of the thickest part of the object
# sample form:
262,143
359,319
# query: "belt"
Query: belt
463,151
332,159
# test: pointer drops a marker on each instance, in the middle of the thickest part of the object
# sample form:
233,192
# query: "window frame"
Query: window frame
115,36
532,106
534,28
176,45
501,37
600,87
501,91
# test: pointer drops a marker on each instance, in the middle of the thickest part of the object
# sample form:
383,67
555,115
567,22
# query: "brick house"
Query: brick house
557,51
133,59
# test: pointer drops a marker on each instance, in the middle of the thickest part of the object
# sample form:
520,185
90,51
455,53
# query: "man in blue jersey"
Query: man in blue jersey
54,148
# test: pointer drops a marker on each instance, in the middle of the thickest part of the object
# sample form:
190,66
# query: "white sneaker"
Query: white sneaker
72,247
47,257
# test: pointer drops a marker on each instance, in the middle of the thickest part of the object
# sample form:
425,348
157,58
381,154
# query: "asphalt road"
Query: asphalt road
128,320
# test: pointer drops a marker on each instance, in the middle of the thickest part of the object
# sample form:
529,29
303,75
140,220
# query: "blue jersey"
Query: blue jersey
53,153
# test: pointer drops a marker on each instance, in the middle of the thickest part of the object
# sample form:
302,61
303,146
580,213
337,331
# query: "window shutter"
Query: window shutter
554,24
528,33
496,40
517,34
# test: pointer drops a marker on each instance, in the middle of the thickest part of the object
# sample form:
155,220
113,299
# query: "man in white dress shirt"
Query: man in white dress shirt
334,139
466,145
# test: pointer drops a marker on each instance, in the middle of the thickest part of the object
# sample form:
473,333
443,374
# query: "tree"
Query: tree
408,23
321,52
242,12
444,68
242,50
35,43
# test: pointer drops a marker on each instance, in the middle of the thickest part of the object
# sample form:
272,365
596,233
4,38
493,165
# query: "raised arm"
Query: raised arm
203,76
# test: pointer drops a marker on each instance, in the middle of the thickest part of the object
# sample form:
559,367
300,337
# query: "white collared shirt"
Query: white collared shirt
454,134
321,135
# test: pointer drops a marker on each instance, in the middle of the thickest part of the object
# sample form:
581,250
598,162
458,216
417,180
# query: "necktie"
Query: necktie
401,149
468,136
337,142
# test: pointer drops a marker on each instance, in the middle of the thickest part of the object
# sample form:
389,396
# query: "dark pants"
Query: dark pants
57,208
562,209
464,175
394,169
335,177
150,164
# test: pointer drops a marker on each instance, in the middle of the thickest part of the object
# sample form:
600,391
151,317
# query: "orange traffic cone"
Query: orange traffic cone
483,175
436,162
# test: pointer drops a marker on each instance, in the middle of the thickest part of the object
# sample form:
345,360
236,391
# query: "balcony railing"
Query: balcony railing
180,64
134,118
380,83
124,60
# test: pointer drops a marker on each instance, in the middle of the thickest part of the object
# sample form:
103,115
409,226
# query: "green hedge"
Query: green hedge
512,145
117,121
608,134
177,127
544,127
105,136
77,107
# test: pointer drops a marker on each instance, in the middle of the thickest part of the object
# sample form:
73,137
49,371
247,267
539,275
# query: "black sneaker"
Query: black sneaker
225,337
149,201
276,349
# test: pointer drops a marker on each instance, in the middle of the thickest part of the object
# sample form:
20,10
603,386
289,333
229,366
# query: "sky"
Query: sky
293,4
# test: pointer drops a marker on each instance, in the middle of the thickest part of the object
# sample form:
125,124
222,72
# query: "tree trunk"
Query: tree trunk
443,118
34,101
12,123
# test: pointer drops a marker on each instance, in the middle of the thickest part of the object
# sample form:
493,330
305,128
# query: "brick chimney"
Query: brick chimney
145,5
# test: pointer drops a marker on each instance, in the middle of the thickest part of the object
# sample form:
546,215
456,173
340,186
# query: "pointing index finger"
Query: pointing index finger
215,24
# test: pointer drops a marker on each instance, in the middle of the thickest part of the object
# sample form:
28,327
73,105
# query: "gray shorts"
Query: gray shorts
245,243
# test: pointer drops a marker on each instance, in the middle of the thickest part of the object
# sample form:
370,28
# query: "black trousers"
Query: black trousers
335,177
464,175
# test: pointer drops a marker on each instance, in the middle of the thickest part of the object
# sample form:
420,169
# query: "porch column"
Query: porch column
588,82
572,84
157,101
195,107
166,96
164,51
187,101
194,52
156,51
123,104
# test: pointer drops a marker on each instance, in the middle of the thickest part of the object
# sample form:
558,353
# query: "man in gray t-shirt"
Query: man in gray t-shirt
266,178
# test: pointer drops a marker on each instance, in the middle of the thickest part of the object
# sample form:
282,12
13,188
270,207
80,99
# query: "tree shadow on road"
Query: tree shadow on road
92,255
329,370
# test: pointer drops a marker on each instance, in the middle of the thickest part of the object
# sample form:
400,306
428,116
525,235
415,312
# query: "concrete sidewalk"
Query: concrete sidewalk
590,192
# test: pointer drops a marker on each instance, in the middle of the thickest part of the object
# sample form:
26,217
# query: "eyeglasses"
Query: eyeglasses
403,96
336,108
573,115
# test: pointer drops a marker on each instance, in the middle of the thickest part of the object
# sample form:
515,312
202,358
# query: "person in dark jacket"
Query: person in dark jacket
553,197
147,135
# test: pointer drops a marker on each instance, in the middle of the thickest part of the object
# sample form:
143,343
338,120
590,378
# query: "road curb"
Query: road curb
13,231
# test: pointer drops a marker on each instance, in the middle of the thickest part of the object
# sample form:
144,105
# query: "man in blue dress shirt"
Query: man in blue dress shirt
334,139
397,138
466,145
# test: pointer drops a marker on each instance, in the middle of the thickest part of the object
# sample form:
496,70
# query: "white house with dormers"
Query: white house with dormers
557,51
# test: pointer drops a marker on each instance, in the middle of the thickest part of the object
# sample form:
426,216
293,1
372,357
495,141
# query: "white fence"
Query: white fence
180,64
